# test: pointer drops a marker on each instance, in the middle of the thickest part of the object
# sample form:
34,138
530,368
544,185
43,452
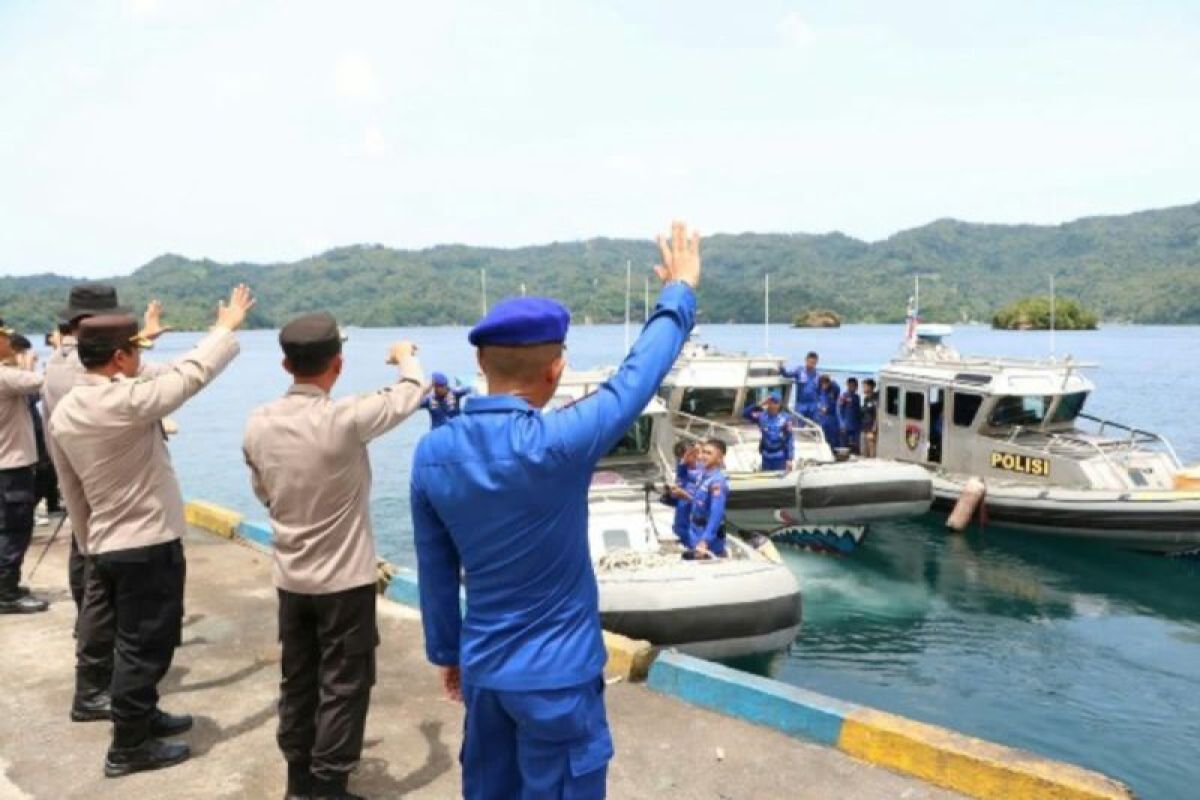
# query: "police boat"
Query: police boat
828,499
745,603
1011,435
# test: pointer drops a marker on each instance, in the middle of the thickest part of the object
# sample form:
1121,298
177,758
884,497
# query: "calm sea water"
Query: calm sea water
1078,653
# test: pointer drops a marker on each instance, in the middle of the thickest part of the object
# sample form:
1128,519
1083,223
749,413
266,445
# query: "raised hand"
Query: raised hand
233,314
680,256
152,326
400,351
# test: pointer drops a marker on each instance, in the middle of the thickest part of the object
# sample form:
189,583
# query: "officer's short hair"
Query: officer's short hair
681,447
869,382
94,355
812,354
306,366
717,443
852,380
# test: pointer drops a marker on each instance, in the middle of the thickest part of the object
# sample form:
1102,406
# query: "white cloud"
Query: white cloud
356,78
796,31
374,143
141,8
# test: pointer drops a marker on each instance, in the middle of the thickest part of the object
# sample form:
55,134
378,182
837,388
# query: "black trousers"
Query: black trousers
46,486
95,633
76,567
144,588
329,646
17,500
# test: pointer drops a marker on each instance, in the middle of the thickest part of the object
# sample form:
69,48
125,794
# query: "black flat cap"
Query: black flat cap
311,336
110,332
90,299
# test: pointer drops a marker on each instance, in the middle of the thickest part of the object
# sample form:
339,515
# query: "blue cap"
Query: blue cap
774,397
522,321
439,379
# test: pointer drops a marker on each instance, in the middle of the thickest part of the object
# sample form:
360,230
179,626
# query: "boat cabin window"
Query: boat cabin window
637,440
1069,407
758,394
966,406
914,405
1019,410
710,403
892,400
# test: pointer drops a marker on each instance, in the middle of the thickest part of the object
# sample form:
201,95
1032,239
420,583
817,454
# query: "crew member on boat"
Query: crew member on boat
124,499
309,466
708,503
849,413
443,402
775,442
806,378
870,418
826,411
499,499
687,471
18,459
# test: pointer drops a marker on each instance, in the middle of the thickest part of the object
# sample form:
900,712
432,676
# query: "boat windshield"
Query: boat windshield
1019,410
636,441
1069,407
710,403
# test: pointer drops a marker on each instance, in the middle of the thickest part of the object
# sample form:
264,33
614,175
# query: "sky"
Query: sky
254,130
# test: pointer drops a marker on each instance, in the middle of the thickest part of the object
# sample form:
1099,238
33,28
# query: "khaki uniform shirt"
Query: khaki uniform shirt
114,468
18,446
308,462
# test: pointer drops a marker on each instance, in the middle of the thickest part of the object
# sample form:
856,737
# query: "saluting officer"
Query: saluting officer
709,496
500,498
443,403
18,459
308,462
124,499
775,442
95,624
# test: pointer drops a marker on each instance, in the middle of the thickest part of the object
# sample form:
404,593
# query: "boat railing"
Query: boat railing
1137,437
694,428
1060,442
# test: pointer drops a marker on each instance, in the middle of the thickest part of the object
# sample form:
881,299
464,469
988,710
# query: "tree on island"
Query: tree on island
1033,314
817,318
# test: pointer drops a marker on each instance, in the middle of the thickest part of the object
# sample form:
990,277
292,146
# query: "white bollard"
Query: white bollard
972,495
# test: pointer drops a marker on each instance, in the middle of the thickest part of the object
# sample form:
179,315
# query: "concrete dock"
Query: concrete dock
226,674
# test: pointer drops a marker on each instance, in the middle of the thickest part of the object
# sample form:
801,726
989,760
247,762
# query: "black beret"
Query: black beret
311,336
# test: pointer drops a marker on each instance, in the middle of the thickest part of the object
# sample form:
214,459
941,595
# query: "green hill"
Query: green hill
1142,267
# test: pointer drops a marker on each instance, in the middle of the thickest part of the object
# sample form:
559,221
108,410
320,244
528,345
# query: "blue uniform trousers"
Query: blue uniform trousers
552,744
774,463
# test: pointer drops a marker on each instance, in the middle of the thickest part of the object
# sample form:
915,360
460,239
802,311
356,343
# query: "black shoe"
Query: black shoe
150,754
163,724
22,604
92,709
332,790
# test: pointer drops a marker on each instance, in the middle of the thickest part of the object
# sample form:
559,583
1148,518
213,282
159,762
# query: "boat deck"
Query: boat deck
226,674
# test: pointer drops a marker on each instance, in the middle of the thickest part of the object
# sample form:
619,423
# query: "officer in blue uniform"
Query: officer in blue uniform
826,412
806,379
775,443
709,496
443,403
500,499
687,472
849,412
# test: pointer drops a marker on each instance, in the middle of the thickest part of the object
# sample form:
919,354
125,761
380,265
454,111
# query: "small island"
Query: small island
1033,314
817,318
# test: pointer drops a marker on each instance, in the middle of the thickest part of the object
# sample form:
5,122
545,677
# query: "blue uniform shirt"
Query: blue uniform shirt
850,413
443,409
806,380
501,495
685,478
776,442
708,510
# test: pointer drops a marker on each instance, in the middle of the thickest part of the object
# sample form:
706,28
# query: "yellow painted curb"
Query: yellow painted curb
629,659
971,766
212,518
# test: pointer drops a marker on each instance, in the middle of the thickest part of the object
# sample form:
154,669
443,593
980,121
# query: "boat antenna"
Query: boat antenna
1053,352
628,280
483,290
522,290
646,299
767,313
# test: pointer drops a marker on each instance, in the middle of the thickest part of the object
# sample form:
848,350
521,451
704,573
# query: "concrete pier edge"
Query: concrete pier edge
974,767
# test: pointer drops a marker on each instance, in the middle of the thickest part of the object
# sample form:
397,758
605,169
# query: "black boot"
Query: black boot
334,789
22,604
92,709
163,724
150,754
299,781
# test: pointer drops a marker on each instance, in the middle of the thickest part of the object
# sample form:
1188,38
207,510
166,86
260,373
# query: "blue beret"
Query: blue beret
775,397
522,321
439,379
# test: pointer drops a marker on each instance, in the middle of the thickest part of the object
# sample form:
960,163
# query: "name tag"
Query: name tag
1027,465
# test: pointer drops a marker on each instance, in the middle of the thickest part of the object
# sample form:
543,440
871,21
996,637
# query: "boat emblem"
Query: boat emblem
912,436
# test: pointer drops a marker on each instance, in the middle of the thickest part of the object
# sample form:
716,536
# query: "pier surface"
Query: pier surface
226,674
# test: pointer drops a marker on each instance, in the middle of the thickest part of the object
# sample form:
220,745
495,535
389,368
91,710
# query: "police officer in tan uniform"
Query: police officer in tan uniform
95,625
127,508
18,457
308,462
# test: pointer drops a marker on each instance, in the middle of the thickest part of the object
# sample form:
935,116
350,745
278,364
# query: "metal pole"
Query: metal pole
628,290
483,289
646,300
1052,319
767,313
